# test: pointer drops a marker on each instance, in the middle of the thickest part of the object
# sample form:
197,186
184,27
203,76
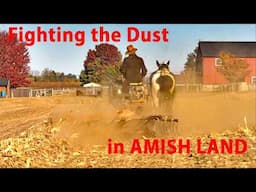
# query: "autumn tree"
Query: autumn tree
83,78
234,69
190,67
14,60
101,65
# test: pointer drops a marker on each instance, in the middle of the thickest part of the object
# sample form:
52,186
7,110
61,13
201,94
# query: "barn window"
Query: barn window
253,80
218,61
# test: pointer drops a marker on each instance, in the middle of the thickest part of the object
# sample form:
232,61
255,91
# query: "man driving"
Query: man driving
132,68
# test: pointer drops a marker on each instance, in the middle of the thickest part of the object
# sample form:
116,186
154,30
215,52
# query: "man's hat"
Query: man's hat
130,50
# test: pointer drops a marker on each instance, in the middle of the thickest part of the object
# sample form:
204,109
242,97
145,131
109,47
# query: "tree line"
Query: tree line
49,75
101,65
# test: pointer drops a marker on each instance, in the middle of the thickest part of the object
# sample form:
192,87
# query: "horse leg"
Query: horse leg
171,102
155,98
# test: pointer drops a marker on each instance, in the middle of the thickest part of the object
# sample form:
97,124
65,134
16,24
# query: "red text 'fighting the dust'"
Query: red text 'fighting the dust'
97,35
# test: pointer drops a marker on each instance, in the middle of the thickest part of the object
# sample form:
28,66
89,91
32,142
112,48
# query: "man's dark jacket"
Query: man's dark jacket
133,69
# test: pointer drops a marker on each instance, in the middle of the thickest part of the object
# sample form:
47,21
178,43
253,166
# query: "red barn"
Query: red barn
207,60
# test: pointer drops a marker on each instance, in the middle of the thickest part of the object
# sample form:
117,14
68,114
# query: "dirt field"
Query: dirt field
74,131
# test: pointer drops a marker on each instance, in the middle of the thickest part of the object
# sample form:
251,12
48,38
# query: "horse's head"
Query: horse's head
163,66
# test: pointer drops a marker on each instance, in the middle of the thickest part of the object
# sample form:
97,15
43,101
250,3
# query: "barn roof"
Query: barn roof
3,82
239,48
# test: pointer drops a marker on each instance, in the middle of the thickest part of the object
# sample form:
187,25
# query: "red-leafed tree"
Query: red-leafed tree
14,59
102,64
109,54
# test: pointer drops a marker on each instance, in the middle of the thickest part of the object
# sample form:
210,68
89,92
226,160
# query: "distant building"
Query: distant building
93,89
208,61
4,87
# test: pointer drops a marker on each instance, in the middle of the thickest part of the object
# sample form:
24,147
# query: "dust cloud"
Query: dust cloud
86,120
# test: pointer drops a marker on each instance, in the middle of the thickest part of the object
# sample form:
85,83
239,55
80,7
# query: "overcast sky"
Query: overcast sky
182,39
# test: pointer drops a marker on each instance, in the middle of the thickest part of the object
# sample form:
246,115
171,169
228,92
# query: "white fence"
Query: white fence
240,87
34,92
